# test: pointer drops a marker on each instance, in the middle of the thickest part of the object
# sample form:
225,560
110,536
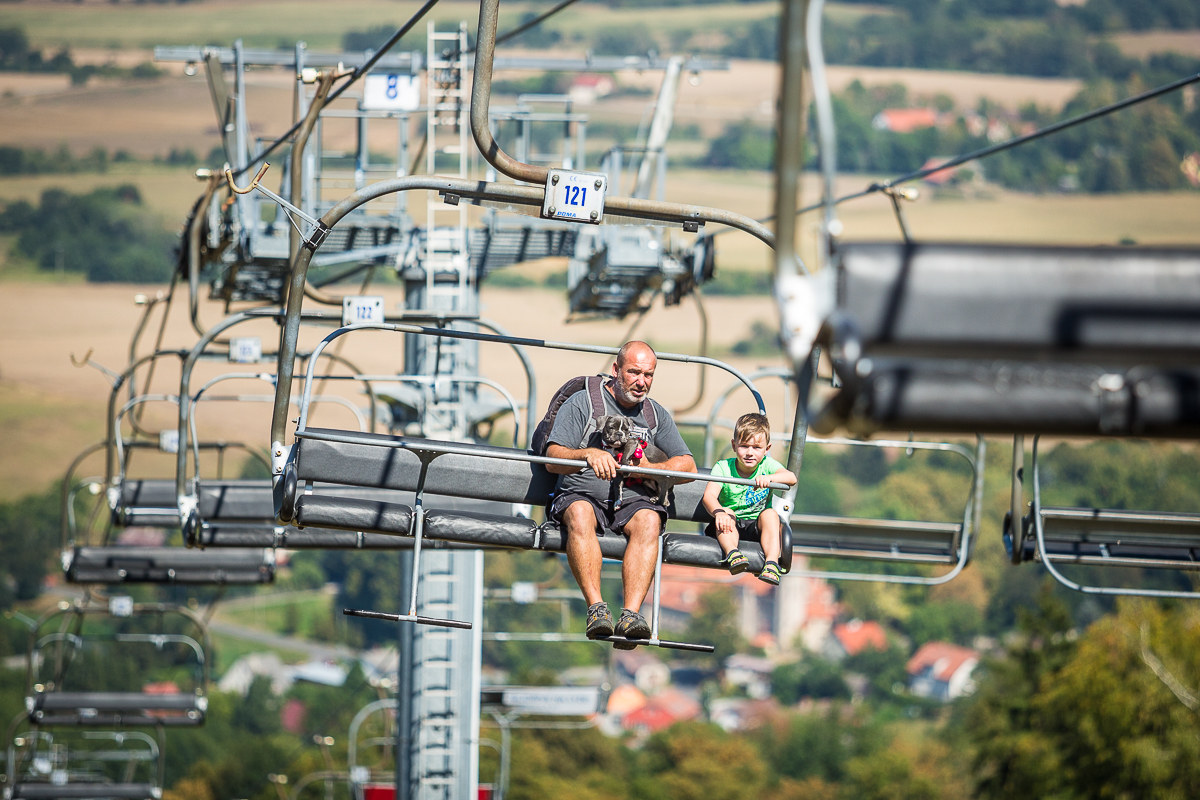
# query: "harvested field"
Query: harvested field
51,409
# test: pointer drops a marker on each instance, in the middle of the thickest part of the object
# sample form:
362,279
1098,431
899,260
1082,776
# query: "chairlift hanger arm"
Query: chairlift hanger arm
481,89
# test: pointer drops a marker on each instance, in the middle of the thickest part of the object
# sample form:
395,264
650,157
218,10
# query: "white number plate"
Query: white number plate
577,196
245,349
358,309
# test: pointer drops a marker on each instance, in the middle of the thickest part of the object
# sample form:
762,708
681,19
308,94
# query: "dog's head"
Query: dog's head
615,431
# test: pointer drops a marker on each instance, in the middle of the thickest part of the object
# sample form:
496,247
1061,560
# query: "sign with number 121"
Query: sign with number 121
577,196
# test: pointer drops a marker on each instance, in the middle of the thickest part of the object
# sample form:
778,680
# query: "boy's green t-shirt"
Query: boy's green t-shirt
747,502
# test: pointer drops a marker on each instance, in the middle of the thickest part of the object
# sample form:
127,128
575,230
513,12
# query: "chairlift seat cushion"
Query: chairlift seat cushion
1120,304
848,537
52,791
127,564
116,709
1005,397
270,535
1118,537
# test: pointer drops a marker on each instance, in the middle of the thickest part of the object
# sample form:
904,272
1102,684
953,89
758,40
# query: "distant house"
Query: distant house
140,536
292,716
590,87
647,672
750,673
661,712
801,607
905,120
853,637
939,177
942,671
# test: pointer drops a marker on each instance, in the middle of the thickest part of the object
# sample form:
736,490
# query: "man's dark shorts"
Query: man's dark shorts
605,518
747,529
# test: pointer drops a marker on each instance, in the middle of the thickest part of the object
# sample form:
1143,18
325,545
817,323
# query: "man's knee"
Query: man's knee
579,517
644,524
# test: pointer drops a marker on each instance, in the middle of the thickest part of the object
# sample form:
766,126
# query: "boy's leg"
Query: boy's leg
728,540
768,531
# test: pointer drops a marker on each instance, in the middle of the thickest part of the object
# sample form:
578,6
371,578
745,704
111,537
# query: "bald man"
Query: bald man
581,502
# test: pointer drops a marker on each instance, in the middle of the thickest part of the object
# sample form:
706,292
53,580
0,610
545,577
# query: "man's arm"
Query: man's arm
684,463
601,461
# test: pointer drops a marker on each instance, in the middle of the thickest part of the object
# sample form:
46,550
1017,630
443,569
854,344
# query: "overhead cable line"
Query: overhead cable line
885,186
333,95
1019,140
500,39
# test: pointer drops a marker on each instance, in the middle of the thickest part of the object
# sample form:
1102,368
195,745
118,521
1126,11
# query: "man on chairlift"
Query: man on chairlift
582,504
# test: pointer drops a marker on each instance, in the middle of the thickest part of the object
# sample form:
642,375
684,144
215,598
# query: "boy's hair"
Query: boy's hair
749,425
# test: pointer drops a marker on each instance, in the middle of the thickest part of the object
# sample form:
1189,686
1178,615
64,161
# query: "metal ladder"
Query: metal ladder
447,285
446,678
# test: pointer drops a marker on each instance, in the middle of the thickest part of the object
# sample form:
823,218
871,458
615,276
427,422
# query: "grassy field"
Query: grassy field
257,23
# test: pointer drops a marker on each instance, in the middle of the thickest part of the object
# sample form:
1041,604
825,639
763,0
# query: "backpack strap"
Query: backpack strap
595,390
594,385
649,414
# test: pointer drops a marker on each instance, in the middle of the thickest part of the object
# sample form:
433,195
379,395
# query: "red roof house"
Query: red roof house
661,712
905,120
855,636
942,671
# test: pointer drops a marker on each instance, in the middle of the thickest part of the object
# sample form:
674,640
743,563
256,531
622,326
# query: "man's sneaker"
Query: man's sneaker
599,621
631,625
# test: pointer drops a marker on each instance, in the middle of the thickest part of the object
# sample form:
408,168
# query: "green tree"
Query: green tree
29,539
583,764
1013,756
699,761
105,234
811,677
715,622
742,145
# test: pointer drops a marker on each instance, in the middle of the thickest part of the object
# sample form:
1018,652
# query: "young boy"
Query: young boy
741,511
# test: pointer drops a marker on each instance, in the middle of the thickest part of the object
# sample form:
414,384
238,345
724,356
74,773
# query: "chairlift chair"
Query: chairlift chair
1010,339
1115,539
60,691
84,765
431,470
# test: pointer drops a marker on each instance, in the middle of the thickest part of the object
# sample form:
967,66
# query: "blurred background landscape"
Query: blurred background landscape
98,154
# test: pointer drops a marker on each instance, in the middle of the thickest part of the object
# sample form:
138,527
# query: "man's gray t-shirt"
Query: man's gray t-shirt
572,421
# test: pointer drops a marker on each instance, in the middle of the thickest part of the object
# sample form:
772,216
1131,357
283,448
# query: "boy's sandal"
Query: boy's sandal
770,573
735,562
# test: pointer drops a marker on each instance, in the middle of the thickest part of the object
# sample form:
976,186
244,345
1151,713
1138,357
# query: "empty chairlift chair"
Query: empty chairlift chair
95,764
66,684
1118,540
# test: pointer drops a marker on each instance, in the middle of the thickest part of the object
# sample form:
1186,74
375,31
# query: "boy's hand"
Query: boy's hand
762,481
723,519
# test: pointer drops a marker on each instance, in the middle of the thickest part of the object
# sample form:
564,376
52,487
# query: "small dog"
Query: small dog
616,433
